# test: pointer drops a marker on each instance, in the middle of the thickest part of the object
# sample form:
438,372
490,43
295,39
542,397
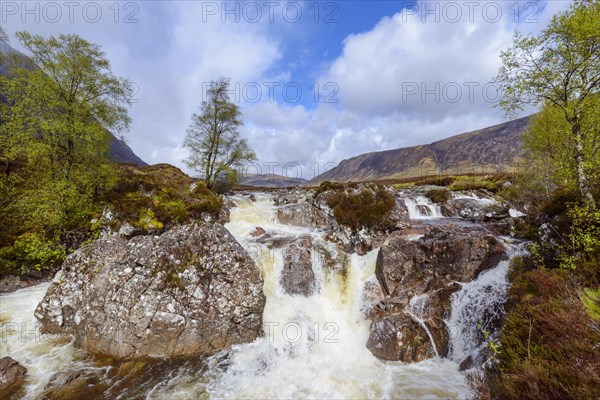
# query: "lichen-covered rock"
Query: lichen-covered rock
303,214
418,278
192,290
297,276
289,196
11,375
399,338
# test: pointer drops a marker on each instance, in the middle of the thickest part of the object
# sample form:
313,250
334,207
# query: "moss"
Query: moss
159,196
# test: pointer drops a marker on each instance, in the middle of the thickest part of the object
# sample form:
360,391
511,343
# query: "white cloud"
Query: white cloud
171,52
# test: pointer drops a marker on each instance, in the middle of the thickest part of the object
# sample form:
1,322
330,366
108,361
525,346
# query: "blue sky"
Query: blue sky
373,75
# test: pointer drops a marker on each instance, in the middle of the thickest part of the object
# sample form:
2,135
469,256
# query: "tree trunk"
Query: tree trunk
584,184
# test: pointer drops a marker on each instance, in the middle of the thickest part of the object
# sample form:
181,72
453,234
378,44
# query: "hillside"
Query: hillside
491,149
119,150
270,181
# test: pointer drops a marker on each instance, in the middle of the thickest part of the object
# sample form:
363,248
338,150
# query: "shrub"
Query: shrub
34,251
439,195
328,185
157,197
365,208
437,181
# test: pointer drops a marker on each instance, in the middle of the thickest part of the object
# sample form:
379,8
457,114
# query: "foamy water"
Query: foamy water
313,347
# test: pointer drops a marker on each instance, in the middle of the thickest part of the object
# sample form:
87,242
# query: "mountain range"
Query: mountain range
489,150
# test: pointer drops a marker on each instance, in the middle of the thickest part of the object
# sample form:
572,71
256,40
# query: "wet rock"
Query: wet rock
435,260
257,232
293,196
365,239
11,283
424,210
418,278
62,378
466,364
192,290
297,276
303,214
399,338
12,375
69,384
464,208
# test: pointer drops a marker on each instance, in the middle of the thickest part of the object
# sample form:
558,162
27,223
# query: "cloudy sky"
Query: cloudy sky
317,81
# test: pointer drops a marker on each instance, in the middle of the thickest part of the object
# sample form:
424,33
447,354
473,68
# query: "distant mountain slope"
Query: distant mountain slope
491,149
270,181
119,150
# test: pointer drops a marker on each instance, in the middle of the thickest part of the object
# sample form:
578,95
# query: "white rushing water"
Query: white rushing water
42,355
315,347
312,347
477,306
421,207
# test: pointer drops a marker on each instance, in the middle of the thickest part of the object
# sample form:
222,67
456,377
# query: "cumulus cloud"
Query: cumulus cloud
414,77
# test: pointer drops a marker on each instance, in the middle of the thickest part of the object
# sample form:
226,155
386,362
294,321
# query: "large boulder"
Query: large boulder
297,276
192,290
418,278
303,214
12,375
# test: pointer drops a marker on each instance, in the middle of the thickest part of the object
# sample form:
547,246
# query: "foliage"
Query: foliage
584,235
438,195
54,144
3,36
591,300
361,208
491,343
493,183
559,69
213,138
549,343
328,185
154,198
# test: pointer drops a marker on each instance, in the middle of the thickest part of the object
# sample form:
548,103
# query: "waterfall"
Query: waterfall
311,347
421,207
416,309
477,307
314,347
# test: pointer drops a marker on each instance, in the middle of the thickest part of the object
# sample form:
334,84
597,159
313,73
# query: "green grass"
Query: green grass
492,182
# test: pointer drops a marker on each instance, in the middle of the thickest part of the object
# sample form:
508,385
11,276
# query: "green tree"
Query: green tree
560,69
213,138
54,140
551,149
3,36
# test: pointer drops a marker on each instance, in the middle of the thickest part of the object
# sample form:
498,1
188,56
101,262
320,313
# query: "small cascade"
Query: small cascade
417,308
477,310
470,195
421,207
